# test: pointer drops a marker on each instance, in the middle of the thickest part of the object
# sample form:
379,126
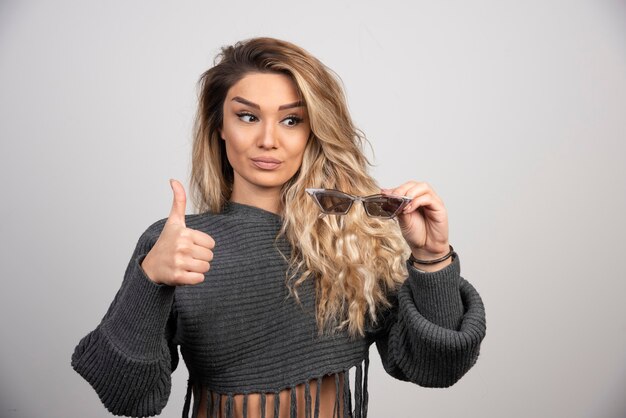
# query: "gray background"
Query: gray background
513,111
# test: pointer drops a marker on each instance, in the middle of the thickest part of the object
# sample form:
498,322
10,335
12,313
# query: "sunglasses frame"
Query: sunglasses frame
363,199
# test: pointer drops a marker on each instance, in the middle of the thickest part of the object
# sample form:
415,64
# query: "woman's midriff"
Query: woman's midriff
326,402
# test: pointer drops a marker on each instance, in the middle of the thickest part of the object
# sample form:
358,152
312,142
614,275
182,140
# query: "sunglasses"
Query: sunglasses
335,202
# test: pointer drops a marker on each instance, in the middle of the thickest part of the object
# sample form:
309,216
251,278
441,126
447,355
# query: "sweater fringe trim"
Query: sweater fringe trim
214,400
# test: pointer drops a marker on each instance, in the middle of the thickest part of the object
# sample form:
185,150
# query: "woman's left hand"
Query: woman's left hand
424,221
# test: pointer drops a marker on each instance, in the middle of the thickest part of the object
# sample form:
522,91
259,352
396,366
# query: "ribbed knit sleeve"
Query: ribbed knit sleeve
432,336
129,357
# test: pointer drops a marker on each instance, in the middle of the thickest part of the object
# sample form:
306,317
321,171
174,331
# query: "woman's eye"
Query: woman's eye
246,115
293,118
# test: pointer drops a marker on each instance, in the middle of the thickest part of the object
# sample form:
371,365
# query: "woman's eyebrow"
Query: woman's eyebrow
299,103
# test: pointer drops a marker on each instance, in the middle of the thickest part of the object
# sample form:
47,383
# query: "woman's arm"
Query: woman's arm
128,359
432,336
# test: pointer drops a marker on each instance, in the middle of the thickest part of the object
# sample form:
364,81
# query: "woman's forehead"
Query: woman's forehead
267,91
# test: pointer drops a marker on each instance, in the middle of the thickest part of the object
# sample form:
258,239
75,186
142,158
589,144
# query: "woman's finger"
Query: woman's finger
403,190
199,252
202,238
420,201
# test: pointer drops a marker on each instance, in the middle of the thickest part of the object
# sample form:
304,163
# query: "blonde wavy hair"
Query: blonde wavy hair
353,259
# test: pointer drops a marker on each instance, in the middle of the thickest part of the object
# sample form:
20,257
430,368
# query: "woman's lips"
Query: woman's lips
266,164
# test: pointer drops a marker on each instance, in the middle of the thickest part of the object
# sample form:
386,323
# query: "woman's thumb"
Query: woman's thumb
177,214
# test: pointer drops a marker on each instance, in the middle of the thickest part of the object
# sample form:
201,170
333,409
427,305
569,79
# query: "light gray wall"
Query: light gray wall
513,111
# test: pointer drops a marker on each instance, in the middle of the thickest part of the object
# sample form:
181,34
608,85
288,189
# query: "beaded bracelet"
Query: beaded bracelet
415,260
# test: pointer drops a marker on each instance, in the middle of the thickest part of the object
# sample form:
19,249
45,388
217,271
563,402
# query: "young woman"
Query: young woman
294,264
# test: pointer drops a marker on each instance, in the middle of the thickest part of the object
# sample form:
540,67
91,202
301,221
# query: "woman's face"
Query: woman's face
265,131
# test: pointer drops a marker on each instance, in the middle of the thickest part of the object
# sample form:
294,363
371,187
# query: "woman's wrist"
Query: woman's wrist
441,260
433,267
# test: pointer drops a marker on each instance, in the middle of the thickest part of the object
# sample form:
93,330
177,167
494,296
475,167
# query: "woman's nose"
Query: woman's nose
267,137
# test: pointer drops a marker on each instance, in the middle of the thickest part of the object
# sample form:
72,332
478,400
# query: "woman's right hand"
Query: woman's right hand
180,255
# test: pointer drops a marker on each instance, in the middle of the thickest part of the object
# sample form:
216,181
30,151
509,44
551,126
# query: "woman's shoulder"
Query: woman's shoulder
191,221
234,216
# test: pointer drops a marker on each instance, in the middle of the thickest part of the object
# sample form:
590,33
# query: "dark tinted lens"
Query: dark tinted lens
382,206
333,202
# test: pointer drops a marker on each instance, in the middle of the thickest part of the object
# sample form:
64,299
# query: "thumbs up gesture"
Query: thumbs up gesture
180,255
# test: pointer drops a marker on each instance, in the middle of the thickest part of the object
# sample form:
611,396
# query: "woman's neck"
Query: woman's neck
268,202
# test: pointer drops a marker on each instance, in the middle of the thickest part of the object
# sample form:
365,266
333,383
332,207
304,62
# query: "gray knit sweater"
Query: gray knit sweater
239,332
